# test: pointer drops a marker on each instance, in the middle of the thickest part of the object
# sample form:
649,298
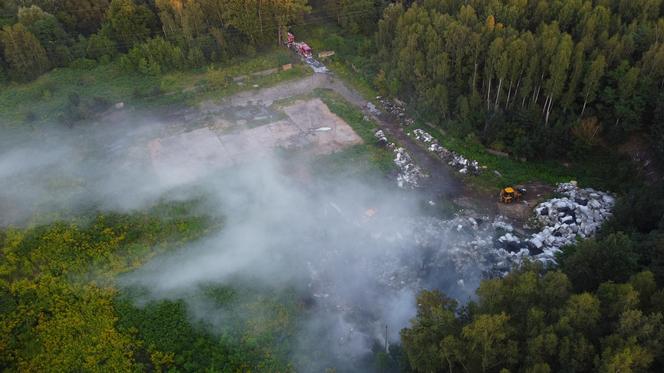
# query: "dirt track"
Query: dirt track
442,181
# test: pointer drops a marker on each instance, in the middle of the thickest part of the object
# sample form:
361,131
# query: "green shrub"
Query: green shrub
100,46
153,57
83,64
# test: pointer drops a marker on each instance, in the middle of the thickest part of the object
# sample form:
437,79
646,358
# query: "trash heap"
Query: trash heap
454,159
316,65
381,138
396,109
579,213
409,173
372,108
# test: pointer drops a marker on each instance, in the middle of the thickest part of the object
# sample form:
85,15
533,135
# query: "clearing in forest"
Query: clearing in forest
247,132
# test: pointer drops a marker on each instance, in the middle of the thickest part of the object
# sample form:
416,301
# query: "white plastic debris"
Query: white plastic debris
409,173
457,161
579,213
381,138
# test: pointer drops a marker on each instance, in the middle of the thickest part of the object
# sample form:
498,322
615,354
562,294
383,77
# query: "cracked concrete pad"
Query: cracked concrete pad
187,156
309,127
325,132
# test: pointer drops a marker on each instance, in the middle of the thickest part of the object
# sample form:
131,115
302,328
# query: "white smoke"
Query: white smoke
358,250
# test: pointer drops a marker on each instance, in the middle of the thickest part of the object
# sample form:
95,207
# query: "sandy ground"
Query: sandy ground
307,126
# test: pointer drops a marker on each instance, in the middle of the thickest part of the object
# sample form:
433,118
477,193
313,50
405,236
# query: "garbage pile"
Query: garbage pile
316,65
454,159
579,213
396,109
409,173
381,138
372,108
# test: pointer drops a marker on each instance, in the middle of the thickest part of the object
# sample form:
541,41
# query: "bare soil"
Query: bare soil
307,126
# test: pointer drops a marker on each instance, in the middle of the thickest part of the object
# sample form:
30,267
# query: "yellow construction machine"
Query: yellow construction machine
510,194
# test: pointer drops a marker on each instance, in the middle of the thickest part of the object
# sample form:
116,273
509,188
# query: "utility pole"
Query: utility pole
387,345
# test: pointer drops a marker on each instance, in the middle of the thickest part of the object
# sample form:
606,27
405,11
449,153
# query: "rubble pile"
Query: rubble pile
409,173
396,109
454,159
381,138
579,213
316,65
372,108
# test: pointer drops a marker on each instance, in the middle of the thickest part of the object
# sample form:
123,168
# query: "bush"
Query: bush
100,46
83,64
154,57
147,92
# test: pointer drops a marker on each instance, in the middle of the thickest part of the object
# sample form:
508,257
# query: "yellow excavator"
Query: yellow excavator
510,195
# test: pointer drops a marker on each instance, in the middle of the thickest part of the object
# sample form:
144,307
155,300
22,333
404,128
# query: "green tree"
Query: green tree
353,15
129,24
50,33
592,262
81,16
488,339
25,56
592,80
431,341
558,73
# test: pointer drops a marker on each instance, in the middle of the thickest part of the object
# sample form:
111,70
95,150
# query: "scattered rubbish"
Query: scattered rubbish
381,138
454,159
372,108
409,173
397,109
316,65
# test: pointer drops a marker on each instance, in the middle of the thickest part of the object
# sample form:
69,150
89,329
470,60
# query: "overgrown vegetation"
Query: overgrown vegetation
60,309
70,94
156,35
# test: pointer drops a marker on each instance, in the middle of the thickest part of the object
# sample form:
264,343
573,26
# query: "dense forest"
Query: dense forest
546,79
154,36
529,77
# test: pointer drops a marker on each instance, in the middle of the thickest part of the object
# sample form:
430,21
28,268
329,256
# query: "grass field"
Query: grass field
45,100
